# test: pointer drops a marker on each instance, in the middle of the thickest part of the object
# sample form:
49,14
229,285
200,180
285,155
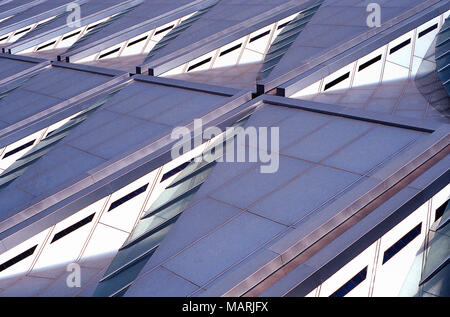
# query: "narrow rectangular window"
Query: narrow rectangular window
230,49
4,38
17,258
18,149
440,211
20,32
257,37
368,63
163,30
70,35
351,284
137,41
175,170
428,30
72,228
403,242
199,64
337,81
126,198
92,26
46,45
109,53
283,25
400,46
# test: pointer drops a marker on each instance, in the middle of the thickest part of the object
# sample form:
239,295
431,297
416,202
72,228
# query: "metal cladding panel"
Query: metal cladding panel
45,89
10,67
87,9
313,178
132,119
33,12
222,16
8,7
334,27
143,12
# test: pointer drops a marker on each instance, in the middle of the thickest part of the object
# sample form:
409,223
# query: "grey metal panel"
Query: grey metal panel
181,286
362,235
309,204
36,14
213,30
334,63
334,29
131,24
11,133
10,7
423,125
94,182
48,88
10,67
92,11
259,185
216,253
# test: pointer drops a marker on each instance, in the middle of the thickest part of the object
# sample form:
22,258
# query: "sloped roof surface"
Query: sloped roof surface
142,12
119,127
224,15
338,23
237,217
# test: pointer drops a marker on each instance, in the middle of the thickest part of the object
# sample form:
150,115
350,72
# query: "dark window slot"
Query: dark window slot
440,211
403,242
17,258
347,287
20,32
283,25
175,170
137,41
163,30
257,37
50,133
368,63
400,46
428,30
199,64
109,53
18,149
126,198
230,49
72,228
337,81
70,35
46,45
92,26
4,38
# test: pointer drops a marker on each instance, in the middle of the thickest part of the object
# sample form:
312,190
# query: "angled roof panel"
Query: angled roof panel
143,12
91,12
255,215
222,24
47,88
11,66
36,14
119,129
335,27
11,7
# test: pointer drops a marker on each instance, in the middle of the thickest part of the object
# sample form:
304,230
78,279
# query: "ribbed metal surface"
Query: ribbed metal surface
286,37
178,30
156,223
442,54
35,153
